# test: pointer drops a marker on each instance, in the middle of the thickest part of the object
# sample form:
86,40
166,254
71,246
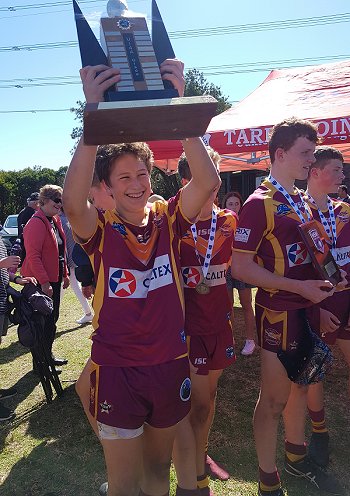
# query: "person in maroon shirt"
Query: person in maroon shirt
137,448
331,317
269,253
205,253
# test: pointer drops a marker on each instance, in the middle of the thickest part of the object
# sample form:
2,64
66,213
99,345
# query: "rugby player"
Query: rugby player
139,383
268,253
205,252
331,317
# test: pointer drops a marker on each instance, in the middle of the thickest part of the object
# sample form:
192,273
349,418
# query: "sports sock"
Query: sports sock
144,494
269,481
186,492
295,452
318,421
203,481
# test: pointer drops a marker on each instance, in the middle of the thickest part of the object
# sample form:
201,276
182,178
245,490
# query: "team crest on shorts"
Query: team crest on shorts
185,389
105,407
273,337
230,352
183,336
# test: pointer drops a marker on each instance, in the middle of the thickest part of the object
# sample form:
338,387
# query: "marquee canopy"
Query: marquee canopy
319,93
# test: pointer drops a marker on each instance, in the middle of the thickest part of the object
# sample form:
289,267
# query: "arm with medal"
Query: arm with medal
245,268
320,251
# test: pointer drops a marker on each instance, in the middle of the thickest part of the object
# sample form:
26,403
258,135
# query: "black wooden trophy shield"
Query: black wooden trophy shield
141,107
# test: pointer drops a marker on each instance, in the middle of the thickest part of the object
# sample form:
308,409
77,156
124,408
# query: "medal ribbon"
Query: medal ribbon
207,258
290,200
328,224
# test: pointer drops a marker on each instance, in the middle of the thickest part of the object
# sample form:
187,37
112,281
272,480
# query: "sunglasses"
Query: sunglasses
57,200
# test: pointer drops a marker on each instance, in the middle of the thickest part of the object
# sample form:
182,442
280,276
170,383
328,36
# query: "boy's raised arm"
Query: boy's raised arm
205,177
81,214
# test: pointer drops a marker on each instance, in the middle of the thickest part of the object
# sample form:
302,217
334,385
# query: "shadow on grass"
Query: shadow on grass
231,439
72,329
13,351
67,453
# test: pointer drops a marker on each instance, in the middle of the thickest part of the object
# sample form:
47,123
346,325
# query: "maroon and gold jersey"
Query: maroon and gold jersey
341,253
138,303
268,228
207,313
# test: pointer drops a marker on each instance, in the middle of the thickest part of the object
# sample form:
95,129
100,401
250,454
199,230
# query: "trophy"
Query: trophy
321,255
141,107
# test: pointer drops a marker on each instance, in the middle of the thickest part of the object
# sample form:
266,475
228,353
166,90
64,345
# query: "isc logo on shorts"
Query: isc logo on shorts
125,283
200,361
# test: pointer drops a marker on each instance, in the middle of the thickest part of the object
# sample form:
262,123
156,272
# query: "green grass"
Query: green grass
49,450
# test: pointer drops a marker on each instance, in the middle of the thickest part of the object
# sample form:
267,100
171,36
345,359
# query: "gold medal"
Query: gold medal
202,288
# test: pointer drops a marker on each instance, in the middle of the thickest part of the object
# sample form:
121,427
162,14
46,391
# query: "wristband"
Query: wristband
15,279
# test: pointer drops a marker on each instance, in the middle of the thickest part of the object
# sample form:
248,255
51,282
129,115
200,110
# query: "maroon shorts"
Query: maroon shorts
279,330
127,397
339,305
211,352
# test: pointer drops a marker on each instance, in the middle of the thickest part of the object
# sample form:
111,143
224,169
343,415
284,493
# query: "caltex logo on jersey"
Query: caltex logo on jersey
297,254
122,283
191,276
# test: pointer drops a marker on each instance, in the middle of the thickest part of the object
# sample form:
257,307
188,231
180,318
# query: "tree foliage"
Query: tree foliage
197,85
163,184
16,186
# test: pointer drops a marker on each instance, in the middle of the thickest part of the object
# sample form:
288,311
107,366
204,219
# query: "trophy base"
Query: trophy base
147,120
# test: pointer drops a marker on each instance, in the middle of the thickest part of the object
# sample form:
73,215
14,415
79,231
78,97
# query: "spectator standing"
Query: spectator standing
45,245
27,212
233,201
343,194
74,284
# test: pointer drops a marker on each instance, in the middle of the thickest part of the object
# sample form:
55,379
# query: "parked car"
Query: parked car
10,225
9,231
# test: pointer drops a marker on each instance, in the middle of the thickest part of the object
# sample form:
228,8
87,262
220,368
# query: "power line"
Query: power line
33,111
15,8
217,31
38,111
211,70
12,9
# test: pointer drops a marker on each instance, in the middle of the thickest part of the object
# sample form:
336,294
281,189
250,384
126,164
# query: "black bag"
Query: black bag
23,311
309,363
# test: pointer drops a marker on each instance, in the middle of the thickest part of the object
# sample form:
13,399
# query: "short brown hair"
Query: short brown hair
324,154
284,134
184,169
108,154
48,192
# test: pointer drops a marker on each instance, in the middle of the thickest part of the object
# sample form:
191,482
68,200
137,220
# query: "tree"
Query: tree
16,186
163,184
78,130
197,85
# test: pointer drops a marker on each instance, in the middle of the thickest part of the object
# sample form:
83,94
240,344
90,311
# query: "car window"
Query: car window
11,221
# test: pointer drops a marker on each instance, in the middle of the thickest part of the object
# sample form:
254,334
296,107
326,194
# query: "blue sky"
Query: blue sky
29,139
